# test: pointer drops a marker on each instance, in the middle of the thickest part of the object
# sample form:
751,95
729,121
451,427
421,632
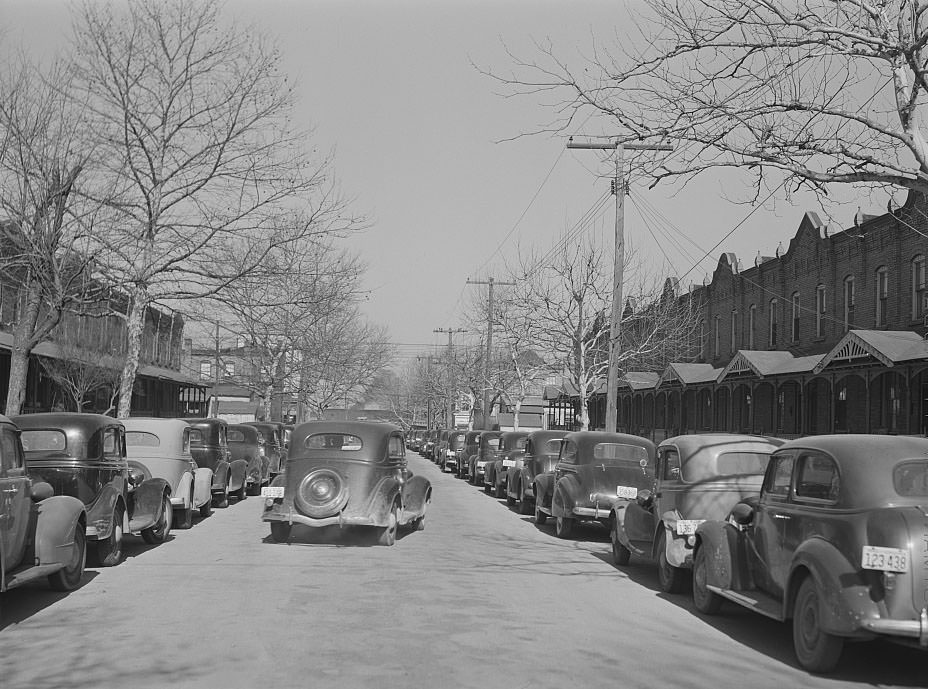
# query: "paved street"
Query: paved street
481,598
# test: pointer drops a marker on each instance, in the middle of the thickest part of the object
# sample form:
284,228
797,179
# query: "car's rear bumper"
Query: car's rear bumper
910,629
338,519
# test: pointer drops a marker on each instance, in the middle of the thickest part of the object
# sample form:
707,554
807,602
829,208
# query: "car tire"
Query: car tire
109,551
206,509
67,578
387,534
280,532
671,578
523,504
620,554
159,532
564,527
705,601
184,517
816,650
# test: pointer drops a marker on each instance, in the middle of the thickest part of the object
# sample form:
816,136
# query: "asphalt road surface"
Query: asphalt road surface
481,598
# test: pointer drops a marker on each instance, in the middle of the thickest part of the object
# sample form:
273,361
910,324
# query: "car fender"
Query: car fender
544,489
489,472
564,497
221,476
386,492
514,481
58,517
202,486
845,593
617,519
720,540
146,503
185,489
100,512
238,474
417,492
675,550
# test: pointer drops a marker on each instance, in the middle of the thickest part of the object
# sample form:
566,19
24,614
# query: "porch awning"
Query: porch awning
639,380
688,374
887,347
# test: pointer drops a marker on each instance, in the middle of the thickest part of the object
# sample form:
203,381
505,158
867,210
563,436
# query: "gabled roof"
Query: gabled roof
640,380
688,374
889,347
759,363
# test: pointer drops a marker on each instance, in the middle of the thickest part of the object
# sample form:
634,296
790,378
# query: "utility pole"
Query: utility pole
486,363
451,386
215,410
618,272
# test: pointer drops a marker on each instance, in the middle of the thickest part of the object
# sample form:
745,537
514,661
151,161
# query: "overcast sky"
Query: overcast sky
419,140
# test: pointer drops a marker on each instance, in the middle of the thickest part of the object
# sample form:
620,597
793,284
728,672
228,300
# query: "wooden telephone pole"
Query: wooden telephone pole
449,408
486,364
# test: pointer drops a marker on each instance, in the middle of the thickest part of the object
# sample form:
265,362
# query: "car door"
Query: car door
14,500
770,563
640,520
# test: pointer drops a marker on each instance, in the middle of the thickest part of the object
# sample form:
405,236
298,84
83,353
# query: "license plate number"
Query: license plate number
509,463
885,559
687,527
626,492
272,492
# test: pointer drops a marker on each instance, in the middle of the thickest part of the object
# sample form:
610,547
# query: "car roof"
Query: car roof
248,430
374,436
587,439
68,421
694,442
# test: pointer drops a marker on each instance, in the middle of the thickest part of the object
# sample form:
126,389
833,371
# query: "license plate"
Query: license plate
272,492
509,463
687,527
627,492
885,559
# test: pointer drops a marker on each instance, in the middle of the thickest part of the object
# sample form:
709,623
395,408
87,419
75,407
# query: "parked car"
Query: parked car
697,477
471,447
43,534
161,447
511,450
247,442
428,444
441,445
349,474
209,445
487,451
271,437
84,456
836,542
454,452
413,440
540,456
595,472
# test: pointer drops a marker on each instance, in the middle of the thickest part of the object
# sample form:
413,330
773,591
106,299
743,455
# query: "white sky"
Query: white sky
389,86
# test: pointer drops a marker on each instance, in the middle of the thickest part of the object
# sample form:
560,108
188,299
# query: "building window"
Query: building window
230,370
206,370
794,331
717,337
752,319
819,309
734,331
882,295
848,302
772,331
919,293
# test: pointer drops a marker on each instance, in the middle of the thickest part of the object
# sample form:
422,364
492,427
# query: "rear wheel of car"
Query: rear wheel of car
523,504
68,577
563,527
540,517
620,554
280,531
671,578
816,650
387,534
705,600
222,499
158,533
206,509
184,519
241,492
109,550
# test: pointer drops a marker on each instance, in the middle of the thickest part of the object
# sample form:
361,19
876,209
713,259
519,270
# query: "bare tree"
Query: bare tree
192,116
815,91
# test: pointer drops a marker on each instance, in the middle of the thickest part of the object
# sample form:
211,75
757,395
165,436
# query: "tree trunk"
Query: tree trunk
25,338
515,414
135,321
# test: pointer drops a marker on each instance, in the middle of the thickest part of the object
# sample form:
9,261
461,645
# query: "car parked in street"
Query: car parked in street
271,444
41,534
511,450
540,456
247,442
441,445
453,452
471,447
347,474
209,445
161,448
836,542
595,472
487,451
697,477
84,456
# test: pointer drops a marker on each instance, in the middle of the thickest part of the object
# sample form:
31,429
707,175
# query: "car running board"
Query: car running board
764,604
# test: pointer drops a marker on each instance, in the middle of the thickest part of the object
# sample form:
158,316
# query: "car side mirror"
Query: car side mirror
742,514
42,491
645,498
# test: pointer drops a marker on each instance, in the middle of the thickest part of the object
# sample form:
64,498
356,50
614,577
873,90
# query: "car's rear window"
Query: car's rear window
550,447
620,451
493,443
333,441
518,444
910,478
236,435
43,441
142,439
739,463
457,441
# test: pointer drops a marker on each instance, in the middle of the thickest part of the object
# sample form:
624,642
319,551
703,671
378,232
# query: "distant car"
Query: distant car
487,451
161,447
84,456
697,477
349,474
595,472
541,451
511,450
209,446
441,446
471,447
453,452
246,442
836,542
41,534
272,445
428,444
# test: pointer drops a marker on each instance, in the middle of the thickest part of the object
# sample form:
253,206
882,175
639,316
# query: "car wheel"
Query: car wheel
816,650
222,499
671,578
109,550
620,554
241,492
563,527
705,600
158,533
387,534
206,510
280,531
184,517
68,577
523,504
